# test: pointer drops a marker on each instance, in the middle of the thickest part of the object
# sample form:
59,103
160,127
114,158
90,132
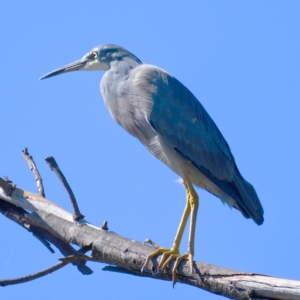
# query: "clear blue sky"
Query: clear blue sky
240,59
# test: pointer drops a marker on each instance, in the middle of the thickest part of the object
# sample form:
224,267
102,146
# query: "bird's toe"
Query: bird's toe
150,242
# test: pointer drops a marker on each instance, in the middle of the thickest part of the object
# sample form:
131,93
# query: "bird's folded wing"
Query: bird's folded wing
186,126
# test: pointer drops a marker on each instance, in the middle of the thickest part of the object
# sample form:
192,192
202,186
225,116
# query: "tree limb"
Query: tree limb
127,256
54,167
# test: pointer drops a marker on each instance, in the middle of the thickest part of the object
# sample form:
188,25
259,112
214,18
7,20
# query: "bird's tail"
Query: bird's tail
249,203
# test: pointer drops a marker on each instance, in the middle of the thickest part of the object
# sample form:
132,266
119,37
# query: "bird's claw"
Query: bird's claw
178,260
167,256
149,257
166,259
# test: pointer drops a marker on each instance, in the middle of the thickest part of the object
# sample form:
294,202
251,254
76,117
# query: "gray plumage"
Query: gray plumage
167,118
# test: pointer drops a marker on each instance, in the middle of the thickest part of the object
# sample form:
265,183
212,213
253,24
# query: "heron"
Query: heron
164,115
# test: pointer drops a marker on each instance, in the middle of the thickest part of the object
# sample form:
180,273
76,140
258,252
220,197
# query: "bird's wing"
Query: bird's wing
184,124
176,115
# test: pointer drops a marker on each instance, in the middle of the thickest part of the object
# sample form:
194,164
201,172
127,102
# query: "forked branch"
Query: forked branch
52,224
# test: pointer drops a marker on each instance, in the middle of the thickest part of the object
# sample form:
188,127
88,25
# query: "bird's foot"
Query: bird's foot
171,255
167,256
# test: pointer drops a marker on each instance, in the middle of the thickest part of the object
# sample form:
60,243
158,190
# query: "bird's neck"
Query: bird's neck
115,76
120,69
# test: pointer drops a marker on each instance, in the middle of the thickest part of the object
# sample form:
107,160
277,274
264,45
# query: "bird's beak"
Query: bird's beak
75,66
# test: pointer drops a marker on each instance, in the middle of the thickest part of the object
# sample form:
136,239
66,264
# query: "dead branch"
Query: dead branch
51,223
54,167
31,277
32,166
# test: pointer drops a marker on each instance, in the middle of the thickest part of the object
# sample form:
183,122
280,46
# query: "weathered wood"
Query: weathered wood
129,255
30,201
32,166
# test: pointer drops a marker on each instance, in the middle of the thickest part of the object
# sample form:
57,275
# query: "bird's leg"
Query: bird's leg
174,251
192,203
193,200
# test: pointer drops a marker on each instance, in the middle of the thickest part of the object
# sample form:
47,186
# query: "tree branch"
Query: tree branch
126,255
32,166
54,167
34,276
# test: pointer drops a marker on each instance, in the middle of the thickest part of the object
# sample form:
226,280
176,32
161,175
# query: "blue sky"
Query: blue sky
240,59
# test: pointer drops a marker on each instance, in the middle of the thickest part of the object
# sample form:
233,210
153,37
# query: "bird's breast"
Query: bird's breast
127,107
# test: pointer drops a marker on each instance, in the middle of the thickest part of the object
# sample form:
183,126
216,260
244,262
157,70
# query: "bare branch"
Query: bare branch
130,255
32,166
54,167
127,256
31,277
63,262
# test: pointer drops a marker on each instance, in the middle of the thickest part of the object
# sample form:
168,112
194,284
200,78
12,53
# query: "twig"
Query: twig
78,257
104,226
31,277
39,182
44,242
63,262
54,167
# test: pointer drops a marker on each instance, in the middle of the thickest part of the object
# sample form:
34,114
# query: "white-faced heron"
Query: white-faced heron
172,124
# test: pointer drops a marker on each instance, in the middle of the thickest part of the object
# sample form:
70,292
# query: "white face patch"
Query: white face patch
94,66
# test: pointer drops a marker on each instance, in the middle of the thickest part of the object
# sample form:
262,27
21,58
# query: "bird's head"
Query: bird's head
99,58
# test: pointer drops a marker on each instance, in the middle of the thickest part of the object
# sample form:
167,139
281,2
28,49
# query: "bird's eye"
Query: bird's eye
95,54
